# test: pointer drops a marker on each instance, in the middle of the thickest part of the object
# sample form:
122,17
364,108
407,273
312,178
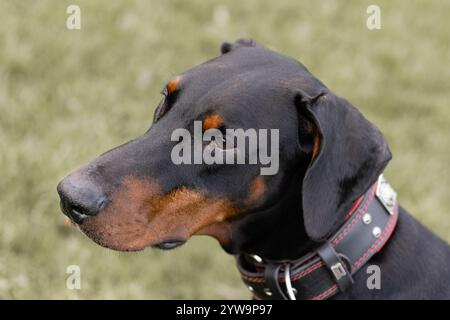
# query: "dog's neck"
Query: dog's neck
367,227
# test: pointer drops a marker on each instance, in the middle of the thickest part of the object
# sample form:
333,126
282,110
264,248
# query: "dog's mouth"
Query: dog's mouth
169,244
139,216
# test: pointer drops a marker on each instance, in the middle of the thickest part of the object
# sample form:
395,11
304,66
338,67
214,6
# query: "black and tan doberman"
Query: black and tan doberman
307,231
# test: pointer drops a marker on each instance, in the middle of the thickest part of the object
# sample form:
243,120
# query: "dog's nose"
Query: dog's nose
80,199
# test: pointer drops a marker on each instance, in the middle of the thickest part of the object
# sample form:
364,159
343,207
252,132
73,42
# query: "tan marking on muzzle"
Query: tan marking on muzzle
139,215
197,213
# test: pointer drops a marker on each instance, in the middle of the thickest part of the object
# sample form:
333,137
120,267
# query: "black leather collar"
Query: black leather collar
329,268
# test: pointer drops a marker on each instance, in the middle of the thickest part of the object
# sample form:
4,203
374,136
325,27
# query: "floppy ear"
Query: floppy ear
348,153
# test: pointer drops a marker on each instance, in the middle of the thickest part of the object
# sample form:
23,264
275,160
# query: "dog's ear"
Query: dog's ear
227,47
348,153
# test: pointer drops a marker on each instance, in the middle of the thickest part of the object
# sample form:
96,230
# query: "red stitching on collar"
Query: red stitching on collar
294,277
390,226
255,279
306,271
360,213
353,208
326,293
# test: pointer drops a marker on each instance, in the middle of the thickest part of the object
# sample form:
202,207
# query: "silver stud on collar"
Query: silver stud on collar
376,232
367,218
251,288
268,292
257,258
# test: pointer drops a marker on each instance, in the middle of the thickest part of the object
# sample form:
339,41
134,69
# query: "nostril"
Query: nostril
80,199
80,211
76,213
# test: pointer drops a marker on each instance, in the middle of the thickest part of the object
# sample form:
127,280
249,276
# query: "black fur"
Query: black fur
253,87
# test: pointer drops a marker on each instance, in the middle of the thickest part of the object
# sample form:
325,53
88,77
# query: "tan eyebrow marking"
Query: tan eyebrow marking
213,121
173,85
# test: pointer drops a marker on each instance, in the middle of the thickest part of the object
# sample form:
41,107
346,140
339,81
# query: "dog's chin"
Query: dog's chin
125,243
113,243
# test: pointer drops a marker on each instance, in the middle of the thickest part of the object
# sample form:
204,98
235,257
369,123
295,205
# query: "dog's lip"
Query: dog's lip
169,244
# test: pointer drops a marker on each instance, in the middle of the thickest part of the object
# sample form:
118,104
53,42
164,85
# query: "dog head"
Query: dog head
140,194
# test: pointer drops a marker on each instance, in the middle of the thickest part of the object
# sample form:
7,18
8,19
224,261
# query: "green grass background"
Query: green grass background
66,96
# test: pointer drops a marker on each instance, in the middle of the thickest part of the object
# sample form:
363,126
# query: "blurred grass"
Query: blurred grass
66,96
